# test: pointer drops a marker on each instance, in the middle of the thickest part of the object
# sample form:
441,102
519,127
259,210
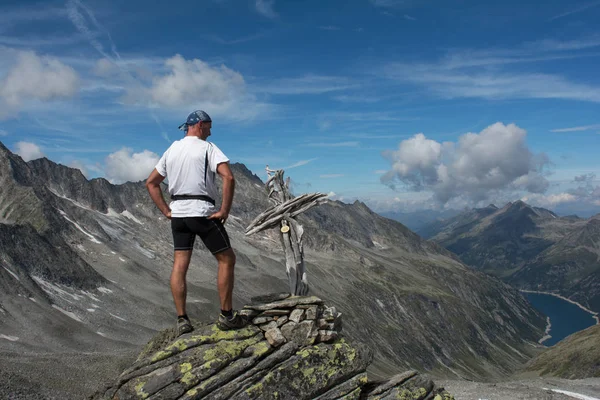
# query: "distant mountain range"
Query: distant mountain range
529,247
85,265
417,220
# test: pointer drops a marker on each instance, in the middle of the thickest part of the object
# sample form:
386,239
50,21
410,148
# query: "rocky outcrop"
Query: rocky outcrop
268,359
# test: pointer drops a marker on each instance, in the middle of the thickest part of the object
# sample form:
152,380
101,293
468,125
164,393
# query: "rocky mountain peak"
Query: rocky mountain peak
244,171
3,148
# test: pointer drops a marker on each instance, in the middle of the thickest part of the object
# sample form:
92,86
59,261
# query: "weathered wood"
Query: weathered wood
282,213
294,206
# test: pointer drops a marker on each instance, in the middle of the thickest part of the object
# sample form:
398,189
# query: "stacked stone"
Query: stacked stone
302,319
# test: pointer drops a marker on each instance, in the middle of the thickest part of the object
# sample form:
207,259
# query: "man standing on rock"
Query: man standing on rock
191,164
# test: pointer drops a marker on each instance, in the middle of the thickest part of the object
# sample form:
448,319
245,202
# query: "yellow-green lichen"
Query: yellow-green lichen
185,367
230,348
332,371
309,373
255,389
196,340
161,355
188,378
261,348
139,390
304,353
353,395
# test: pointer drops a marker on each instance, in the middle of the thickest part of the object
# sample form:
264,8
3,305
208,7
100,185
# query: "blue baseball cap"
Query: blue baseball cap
194,118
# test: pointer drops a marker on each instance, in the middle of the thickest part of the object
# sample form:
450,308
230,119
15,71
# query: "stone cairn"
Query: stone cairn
304,320
283,212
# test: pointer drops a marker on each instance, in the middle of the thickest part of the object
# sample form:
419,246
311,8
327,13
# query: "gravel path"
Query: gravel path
525,389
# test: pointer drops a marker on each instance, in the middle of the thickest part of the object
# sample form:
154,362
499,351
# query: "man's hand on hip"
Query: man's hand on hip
220,215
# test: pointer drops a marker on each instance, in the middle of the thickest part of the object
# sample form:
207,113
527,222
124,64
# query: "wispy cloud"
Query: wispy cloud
82,17
243,39
462,74
331,176
575,10
10,16
300,163
373,136
330,28
551,45
392,3
362,116
408,17
38,41
577,128
3,132
308,84
338,144
265,7
357,99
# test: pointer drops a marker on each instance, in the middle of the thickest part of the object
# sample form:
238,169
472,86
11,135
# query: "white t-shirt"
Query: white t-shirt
184,164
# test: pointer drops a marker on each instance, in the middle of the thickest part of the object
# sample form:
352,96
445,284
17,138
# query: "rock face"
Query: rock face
246,364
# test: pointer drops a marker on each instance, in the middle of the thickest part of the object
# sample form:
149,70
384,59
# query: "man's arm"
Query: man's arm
153,186
228,188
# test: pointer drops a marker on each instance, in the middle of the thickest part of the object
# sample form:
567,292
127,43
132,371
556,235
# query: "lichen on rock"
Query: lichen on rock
292,361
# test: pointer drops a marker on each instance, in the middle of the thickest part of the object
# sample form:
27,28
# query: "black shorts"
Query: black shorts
211,231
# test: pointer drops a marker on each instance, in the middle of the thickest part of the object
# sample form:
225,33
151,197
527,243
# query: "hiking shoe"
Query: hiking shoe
237,321
184,326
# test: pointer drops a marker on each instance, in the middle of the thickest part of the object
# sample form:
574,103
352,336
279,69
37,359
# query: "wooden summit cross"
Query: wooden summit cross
283,212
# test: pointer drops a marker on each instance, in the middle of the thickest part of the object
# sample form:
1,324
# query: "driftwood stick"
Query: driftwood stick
265,225
285,207
290,263
277,211
298,256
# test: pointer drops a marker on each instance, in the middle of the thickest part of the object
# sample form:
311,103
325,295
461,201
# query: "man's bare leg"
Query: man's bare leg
225,278
178,284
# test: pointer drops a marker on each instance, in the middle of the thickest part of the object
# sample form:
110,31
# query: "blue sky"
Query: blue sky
401,104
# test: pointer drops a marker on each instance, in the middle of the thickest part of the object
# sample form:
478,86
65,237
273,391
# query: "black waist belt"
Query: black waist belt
193,197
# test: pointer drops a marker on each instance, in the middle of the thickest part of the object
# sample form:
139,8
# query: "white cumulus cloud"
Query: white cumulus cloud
474,168
125,165
28,151
35,78
549,201
195,84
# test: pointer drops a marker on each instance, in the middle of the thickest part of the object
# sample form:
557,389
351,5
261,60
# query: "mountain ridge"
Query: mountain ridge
529,247
408,293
